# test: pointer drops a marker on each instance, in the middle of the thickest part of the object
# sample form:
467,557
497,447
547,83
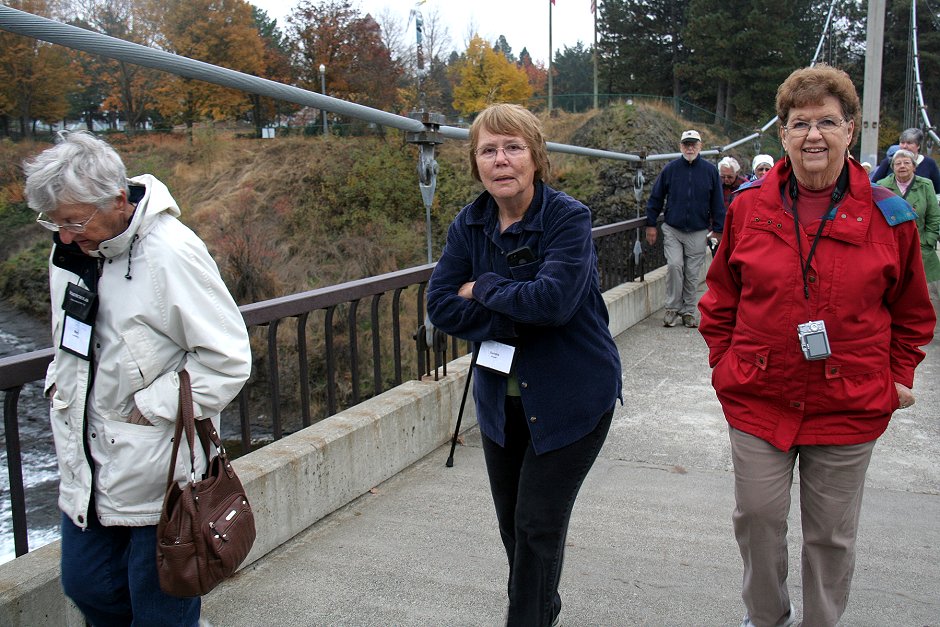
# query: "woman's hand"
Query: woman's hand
137,418
466,290
905,395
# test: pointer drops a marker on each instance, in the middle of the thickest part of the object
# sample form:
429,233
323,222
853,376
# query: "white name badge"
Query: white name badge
496,356
76,337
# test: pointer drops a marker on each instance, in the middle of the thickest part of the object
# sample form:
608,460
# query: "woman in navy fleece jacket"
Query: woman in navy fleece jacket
544,423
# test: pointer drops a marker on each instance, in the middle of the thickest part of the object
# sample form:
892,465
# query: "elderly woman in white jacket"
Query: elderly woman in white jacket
135,298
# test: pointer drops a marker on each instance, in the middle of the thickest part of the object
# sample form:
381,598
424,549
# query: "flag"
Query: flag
593,6
553,1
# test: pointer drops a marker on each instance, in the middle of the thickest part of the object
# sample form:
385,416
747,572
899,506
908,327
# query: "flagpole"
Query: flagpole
594,8
550,4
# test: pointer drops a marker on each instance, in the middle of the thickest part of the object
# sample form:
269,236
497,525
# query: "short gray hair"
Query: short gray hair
912,136
729,162
901,152
80,169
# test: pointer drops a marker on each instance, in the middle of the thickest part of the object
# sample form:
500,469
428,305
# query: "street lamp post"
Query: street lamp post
323,91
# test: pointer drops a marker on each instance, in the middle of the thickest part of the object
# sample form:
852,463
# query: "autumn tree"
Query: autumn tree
359,67
128,88
34,76
536,72
220,32
483,76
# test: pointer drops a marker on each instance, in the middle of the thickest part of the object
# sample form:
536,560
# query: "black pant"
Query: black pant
534,496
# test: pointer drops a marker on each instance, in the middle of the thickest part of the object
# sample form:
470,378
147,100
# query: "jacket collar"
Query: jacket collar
154,200
483,210
853,214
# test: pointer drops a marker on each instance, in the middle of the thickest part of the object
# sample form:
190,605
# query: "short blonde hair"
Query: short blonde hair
511,119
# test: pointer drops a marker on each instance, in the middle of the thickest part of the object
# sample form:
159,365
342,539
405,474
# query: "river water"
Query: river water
19,334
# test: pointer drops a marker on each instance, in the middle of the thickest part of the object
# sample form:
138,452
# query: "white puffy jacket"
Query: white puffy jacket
162,307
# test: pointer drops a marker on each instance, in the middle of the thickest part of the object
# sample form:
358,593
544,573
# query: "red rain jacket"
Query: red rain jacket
866,281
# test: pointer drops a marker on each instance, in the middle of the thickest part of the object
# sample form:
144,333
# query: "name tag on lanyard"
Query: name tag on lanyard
78,327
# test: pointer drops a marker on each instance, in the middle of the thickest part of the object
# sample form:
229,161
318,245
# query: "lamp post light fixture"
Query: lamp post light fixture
323,91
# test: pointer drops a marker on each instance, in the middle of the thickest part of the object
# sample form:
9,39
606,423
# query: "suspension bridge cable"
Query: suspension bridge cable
37,27
918,85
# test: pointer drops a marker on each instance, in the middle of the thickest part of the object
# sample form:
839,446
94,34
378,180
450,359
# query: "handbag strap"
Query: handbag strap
186,422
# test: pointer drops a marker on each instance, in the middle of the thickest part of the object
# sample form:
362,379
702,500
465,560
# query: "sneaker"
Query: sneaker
787,622
671,318
688,320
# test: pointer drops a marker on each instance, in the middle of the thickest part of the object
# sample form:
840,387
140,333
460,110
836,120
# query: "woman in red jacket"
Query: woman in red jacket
815,309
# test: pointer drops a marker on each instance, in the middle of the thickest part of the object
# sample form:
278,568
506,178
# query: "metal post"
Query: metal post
871,93
551,2
323,91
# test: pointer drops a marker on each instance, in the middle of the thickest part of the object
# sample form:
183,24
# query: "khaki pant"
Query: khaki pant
685,255
832,479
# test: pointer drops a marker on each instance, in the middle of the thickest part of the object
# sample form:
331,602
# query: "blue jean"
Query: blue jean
111,575
534,496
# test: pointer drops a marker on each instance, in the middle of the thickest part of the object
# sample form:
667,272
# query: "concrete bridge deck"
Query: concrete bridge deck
650,540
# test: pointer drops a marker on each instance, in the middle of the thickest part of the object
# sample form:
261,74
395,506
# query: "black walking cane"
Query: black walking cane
463,402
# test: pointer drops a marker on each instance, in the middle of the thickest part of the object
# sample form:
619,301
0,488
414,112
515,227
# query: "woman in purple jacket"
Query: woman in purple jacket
518,277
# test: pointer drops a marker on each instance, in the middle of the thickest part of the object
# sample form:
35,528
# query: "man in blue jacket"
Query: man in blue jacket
690,189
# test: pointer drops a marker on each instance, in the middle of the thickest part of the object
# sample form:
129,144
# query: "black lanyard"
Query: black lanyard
836,197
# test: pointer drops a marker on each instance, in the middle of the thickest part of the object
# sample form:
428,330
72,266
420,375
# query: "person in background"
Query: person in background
814,315
911,139
729,171
691,192
919,194
761,165
868,167
518,277
135,299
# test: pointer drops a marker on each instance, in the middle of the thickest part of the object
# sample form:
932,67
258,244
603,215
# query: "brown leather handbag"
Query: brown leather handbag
207,527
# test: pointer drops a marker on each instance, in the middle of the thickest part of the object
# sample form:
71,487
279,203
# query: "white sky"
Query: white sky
523,22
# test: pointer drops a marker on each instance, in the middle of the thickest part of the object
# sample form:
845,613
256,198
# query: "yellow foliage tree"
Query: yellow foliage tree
221,32
128,88
483,76
34,76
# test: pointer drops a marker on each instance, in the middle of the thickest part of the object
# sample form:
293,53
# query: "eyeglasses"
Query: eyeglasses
510,150
801,128
75,227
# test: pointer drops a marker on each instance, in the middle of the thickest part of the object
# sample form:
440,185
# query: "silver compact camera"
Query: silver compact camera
814,340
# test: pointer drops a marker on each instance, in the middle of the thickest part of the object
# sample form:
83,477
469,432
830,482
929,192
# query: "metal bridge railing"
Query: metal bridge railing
290,389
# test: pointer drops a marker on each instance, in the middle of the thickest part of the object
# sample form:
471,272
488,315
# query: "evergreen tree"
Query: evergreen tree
502,46
640,45
574,74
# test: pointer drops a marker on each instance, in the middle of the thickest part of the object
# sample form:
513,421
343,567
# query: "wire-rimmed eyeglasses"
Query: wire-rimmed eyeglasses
800,128
74,227
510,150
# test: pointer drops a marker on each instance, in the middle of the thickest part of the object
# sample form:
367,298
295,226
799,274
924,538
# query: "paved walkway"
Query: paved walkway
650,541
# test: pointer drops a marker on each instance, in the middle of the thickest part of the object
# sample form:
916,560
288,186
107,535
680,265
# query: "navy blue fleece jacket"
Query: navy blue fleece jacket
551,310
691,194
